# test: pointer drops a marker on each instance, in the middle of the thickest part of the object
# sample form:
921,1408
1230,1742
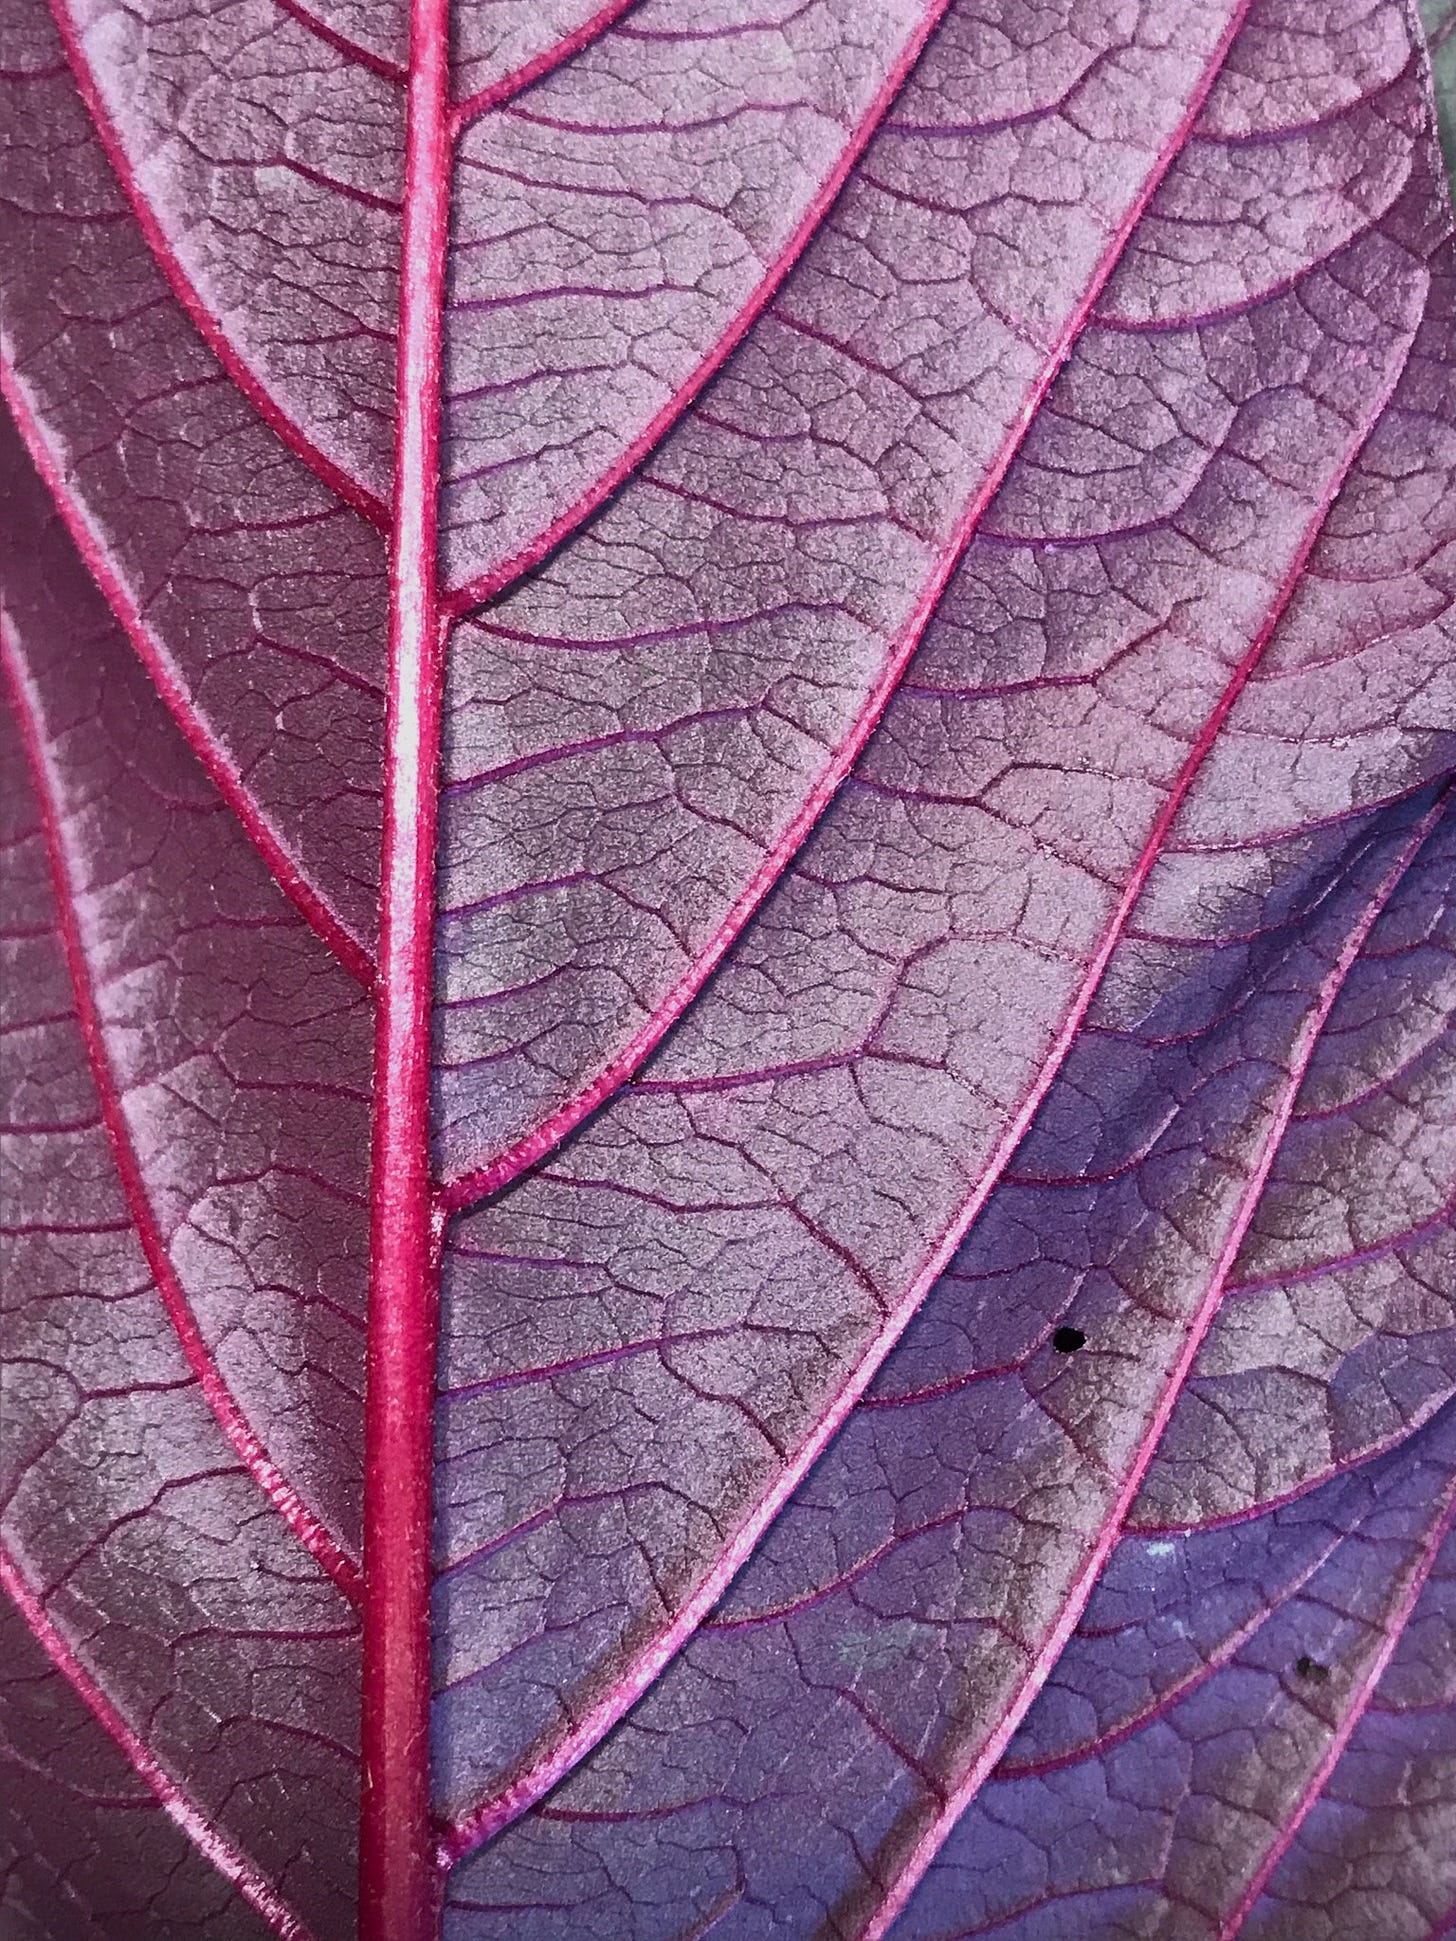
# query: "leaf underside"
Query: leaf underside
943,1099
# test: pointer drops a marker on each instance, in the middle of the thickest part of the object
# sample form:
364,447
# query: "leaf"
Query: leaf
184,1285
1179,1820
901,1613
83,1833
254,597
846,614
843,1147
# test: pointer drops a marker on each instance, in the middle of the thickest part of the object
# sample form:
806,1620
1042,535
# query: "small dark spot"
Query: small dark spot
1313,1670
1067,1341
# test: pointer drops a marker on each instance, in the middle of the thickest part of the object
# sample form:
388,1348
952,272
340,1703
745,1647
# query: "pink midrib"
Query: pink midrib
176,1802
397,1887
242,1438
470,1831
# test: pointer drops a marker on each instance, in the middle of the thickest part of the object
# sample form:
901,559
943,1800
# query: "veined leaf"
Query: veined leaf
187,1078
833,623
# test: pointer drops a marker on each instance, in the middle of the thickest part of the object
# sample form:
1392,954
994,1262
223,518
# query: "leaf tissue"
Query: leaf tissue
729,951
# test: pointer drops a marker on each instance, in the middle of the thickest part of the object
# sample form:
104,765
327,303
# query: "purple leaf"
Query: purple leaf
829,627
255,598
911,1598
1184,1815
89,1849
844,1146
183,1294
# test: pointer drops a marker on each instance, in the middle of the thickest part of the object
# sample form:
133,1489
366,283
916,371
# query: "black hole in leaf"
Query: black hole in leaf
1313,1670
1067,1341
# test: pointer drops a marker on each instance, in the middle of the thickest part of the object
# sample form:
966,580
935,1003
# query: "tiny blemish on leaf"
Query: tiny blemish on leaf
876,1650
1067,1341
1313,1670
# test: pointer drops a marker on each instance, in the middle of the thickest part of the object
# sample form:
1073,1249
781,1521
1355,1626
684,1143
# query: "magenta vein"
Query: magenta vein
482,1181
352,50
1095,1559
495,93
1355,1711
283,864
185,290
241,1436
178,1805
